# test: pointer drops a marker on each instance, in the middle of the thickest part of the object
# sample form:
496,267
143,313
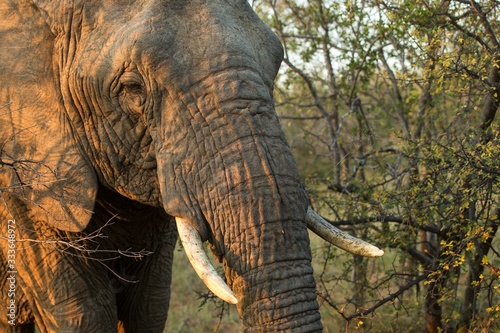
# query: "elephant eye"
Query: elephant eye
132,91
133,88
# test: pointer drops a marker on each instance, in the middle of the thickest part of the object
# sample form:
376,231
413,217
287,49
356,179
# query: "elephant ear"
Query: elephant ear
40,160
48,172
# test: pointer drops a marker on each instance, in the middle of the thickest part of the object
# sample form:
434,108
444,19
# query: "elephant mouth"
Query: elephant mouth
193,245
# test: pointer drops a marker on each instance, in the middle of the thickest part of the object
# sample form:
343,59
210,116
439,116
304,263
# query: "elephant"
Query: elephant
127,125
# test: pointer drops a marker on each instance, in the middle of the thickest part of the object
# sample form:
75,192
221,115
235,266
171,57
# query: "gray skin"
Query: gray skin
137,112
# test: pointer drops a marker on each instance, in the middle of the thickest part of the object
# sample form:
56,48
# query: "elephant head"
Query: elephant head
168,103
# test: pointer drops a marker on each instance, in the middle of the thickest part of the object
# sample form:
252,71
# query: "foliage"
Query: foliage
390,107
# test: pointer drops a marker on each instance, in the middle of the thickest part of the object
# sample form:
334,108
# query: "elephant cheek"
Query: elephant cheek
178,200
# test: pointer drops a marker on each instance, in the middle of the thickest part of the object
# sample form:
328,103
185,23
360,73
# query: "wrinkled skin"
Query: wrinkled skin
137,112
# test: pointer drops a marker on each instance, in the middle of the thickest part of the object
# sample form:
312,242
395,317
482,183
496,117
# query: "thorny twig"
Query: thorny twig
79,245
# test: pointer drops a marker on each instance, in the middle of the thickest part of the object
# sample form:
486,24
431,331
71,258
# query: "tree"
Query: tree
392,105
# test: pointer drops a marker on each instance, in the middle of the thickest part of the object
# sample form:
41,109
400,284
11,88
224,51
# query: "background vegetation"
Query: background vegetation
391,110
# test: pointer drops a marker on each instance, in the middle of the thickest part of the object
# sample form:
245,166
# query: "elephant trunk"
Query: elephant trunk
278,298
262,238
269,269
231,177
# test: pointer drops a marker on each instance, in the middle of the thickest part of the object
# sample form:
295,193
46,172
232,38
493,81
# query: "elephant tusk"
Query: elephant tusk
337,237
193,245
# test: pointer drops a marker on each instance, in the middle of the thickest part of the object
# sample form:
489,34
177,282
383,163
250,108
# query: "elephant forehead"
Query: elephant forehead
188,44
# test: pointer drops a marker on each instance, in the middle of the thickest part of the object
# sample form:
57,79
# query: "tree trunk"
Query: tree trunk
432,307
492,100
433,310
359,277
476,269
